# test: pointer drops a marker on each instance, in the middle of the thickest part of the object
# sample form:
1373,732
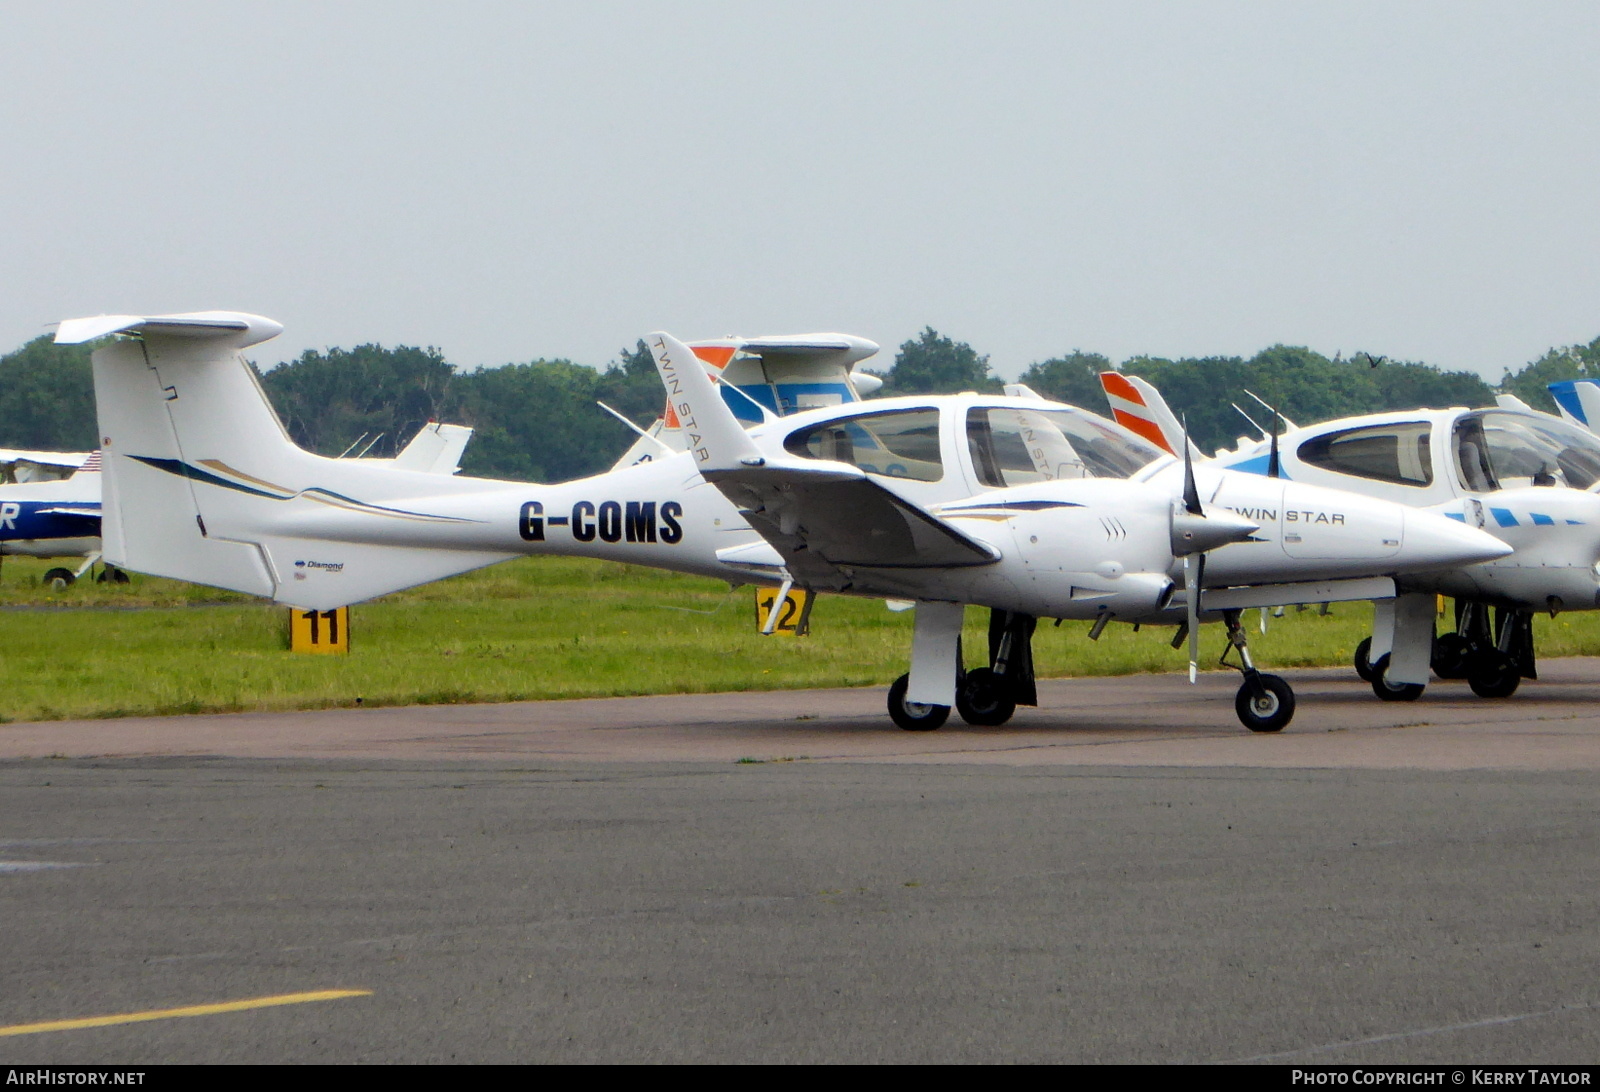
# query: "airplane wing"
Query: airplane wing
67,460
32,466
823,518
823,523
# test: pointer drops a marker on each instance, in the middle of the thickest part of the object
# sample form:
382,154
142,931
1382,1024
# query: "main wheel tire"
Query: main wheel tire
1493,674
1450,656
1363,661
1264,705
984,698
111,575
912,716
59,579
1389,691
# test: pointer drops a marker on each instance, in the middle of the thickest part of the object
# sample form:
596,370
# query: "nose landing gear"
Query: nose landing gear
1264,703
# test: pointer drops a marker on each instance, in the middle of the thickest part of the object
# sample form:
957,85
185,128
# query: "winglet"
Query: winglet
714,435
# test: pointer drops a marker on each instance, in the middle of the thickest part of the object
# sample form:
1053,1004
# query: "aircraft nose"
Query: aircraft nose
1435,542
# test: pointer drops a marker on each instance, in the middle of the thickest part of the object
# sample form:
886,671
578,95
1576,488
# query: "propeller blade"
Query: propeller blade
1274,464
1191,492
1194,567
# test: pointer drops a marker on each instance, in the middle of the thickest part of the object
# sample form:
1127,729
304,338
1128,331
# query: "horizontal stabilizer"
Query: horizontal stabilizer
235,328
811,345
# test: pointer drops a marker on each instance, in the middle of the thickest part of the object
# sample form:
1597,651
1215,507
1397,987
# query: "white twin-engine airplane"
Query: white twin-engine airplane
1530,479
1033,509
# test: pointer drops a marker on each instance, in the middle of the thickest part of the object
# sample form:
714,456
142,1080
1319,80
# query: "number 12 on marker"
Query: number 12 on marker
791,612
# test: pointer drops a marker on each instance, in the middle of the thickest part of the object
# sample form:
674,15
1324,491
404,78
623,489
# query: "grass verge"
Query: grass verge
531,629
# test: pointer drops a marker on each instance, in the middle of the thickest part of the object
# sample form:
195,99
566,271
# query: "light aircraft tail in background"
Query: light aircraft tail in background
1139,408
1579,401
765,377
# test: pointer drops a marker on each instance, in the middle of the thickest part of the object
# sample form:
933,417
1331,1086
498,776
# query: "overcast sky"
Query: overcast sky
510,181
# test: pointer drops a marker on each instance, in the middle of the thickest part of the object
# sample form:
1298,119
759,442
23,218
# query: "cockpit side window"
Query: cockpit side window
1398,453
1017,446
1472,456
896,444
1501,450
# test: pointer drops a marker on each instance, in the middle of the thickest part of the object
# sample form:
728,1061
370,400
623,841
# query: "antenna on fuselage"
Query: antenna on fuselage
1252,420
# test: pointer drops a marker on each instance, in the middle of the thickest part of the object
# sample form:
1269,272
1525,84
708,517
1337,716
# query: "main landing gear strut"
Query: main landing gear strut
1494,657
1494,654
1265,703
985,696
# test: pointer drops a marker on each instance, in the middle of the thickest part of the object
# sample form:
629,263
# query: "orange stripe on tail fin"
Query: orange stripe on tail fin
1132,411
715,355
1143,426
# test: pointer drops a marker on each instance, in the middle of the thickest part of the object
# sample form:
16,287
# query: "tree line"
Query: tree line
539,421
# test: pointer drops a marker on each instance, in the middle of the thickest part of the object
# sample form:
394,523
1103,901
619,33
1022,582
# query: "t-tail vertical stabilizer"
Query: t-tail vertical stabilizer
203,484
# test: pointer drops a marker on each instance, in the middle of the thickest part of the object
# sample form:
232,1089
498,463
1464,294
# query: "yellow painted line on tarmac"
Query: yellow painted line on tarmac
186,1010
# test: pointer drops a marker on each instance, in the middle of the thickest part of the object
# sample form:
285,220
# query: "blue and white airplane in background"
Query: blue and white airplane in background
56,518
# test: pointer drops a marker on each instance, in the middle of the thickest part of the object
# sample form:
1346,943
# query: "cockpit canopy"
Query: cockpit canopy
1018,446
1501,450
1007,444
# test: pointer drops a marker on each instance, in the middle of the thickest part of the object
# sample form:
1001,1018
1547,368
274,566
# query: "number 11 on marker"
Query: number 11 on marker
319,630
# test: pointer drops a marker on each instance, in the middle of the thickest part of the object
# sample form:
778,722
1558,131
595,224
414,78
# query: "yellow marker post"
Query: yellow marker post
794,613
324,631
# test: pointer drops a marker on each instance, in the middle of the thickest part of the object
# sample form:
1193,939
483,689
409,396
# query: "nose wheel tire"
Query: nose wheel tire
1363,661
1493,674
913,716
1264,703
1389,691
59,579
983,698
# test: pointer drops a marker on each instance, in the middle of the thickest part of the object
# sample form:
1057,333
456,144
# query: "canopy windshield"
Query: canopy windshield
1018,445
1500,450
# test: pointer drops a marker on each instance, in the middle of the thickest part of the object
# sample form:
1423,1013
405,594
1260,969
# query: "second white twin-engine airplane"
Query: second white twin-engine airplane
1529,478
1031,508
